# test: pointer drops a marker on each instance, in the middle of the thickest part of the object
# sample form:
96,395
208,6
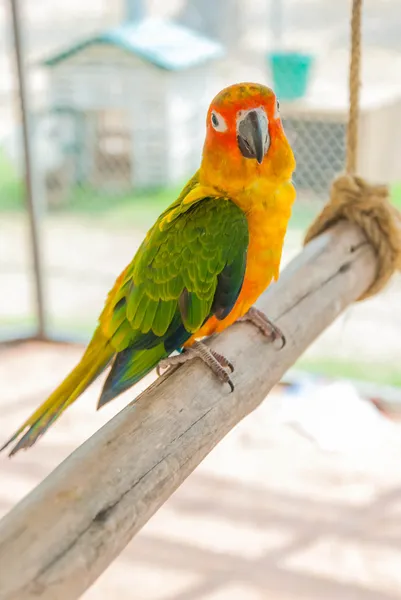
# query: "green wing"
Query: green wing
179,267
190,266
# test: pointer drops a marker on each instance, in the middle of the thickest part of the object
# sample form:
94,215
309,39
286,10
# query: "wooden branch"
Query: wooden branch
60,538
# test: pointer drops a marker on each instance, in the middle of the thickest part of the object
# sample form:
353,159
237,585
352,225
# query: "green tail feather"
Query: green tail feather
128,368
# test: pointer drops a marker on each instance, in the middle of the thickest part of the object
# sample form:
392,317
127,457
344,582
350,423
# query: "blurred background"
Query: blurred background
300,500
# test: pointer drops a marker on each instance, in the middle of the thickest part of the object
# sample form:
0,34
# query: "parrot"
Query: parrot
201,266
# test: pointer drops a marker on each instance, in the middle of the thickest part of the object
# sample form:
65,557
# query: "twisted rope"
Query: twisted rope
352,198
354,85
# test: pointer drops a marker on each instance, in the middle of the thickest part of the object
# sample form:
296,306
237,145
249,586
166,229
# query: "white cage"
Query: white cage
318,123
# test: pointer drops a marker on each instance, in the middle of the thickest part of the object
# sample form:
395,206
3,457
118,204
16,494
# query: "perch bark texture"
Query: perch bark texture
60,538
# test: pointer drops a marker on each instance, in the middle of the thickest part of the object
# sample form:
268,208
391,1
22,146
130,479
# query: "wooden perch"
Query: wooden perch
60,538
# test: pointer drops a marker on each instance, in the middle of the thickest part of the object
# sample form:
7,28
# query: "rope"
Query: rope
354,86
352,198
367,206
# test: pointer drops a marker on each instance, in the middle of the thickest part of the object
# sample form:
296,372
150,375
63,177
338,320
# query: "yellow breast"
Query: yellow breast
268,210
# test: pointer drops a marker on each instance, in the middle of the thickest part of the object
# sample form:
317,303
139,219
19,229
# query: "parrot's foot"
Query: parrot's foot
215,361
271,331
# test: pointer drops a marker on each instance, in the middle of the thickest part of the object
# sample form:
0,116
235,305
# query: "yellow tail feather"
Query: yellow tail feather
95,359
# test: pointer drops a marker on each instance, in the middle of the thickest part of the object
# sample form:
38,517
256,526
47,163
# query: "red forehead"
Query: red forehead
243,96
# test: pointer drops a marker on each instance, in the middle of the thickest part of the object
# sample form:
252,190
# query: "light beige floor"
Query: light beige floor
267,515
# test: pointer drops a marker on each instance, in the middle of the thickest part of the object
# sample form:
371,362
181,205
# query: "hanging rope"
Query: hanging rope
354,84
352,198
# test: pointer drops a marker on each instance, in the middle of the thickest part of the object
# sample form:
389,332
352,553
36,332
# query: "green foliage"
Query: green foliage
396,195
118,207
140,207
11,187
386,373
303,214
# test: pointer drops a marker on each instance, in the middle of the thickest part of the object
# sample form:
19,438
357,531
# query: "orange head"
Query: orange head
245,139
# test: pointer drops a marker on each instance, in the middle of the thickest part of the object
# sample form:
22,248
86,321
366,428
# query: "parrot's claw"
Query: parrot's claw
269,329
222,360
215,361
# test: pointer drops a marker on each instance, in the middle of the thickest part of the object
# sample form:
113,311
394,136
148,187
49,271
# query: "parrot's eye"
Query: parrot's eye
277,112
218,122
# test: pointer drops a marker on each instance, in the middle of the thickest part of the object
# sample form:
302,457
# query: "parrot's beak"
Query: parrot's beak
253,135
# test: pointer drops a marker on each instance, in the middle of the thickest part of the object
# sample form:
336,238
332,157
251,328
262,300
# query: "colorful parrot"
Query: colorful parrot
201,266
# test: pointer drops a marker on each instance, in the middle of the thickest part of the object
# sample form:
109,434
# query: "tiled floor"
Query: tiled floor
266,515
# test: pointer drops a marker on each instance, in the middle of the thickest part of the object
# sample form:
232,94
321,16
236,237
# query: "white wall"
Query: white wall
189,98
149,115
98,77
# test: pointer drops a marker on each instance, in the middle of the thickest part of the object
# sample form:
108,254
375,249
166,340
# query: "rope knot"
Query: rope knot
369,207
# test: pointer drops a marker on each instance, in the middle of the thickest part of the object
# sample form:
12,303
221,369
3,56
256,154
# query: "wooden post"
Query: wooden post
32,188
60,538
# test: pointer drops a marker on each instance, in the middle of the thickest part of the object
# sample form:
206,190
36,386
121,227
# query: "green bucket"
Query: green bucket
290,72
